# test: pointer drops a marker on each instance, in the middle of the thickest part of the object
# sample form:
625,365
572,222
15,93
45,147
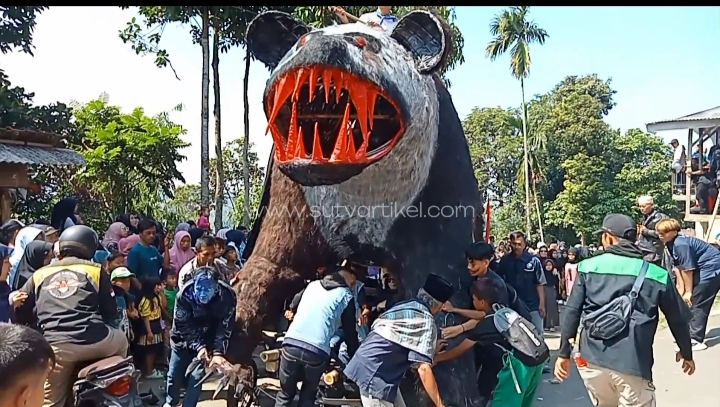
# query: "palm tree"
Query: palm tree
512,31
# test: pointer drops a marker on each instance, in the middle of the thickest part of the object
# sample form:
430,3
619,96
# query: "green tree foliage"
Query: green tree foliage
17,111
321,16
129,155
17,24
183,206
233,166
232,157
588,168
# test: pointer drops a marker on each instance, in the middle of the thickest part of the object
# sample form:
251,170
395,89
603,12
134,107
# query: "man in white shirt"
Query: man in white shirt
381,19
678,163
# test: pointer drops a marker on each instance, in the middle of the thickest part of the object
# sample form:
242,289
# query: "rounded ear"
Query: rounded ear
272,34
426,37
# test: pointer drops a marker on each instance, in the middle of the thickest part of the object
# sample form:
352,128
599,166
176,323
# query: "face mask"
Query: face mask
204,288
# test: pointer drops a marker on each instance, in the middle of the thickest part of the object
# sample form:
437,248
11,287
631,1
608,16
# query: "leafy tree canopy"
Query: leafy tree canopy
17,24
587,168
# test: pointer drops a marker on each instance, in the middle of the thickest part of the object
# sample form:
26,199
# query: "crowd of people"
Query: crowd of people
166,299
161,296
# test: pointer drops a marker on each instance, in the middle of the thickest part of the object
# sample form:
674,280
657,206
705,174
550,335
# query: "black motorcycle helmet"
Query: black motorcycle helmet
78,241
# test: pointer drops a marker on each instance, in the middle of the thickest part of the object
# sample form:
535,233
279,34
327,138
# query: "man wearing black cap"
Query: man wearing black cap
403,336
625,361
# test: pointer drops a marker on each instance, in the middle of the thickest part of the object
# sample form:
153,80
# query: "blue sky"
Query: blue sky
664,64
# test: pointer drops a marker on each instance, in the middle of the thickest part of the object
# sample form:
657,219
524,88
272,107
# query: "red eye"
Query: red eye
361,42
303,40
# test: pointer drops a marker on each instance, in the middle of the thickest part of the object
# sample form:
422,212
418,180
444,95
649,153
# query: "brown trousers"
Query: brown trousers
68,355
608,388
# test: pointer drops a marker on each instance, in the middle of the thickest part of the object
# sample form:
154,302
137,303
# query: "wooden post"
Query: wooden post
5,204
688,177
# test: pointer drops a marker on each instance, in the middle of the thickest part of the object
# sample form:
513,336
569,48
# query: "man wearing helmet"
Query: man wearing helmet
72,299
202,325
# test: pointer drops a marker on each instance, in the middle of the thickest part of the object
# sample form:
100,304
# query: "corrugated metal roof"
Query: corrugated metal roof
709,118
20,154
709,114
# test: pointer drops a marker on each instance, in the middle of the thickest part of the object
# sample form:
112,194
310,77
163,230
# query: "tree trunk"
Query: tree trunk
246,144
526,161
219,172
537,210
205,110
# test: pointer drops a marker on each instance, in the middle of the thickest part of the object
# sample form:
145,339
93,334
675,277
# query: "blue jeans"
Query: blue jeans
297,364
539,323
179,361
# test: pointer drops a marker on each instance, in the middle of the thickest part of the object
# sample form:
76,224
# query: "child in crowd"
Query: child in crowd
203,221
26,358
150,337
114,260
121,278
552,277
516,383
229,266
169,278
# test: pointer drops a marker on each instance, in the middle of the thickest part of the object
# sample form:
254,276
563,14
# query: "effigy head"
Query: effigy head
345,97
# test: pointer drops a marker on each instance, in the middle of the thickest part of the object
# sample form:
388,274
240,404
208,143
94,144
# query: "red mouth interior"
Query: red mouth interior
329,115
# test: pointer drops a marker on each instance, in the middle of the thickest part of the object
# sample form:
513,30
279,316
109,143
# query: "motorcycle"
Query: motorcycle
108,382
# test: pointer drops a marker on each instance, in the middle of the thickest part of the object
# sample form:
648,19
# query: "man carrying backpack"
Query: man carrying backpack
617,296
509,338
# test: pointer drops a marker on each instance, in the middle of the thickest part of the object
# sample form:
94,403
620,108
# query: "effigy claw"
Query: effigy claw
193,365
221,385
205,378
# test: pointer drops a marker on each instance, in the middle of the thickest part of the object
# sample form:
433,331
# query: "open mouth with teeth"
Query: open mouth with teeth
325,114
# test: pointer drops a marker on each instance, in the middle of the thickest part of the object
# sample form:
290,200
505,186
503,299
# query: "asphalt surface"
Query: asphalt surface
674,388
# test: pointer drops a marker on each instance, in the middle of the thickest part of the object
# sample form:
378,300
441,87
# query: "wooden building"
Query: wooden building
703,131
22,148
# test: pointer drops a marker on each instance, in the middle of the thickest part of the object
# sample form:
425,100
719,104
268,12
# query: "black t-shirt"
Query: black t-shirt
552,279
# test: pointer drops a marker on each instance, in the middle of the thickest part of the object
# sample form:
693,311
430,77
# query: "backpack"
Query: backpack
528,345
613,318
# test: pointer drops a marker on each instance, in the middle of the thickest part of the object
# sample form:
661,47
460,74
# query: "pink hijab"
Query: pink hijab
113,234
127,243
178,256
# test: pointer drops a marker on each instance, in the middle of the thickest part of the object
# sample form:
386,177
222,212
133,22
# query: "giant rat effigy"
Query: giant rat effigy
370,162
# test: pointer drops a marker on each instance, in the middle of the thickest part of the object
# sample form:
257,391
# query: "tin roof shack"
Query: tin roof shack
20,148
702,128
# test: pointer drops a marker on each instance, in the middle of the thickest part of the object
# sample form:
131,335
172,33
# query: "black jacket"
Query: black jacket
648,240
73,301
604,277
197,326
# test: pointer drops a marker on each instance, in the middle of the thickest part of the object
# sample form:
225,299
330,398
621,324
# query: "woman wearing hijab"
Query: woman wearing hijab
64,214
51,234
9,231
115,232
182,227
237,238
125,244
5,289
195,234
181,252
37,254
24,237
130,220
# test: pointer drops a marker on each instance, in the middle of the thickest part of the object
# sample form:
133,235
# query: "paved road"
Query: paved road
673,387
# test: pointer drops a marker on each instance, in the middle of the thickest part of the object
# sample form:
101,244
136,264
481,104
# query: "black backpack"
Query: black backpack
613,318
527,344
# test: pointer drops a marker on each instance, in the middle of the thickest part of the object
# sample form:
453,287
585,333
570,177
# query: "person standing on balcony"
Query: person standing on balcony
677,166
648,239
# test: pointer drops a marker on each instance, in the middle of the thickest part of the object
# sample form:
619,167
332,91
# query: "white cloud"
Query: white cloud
79,55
